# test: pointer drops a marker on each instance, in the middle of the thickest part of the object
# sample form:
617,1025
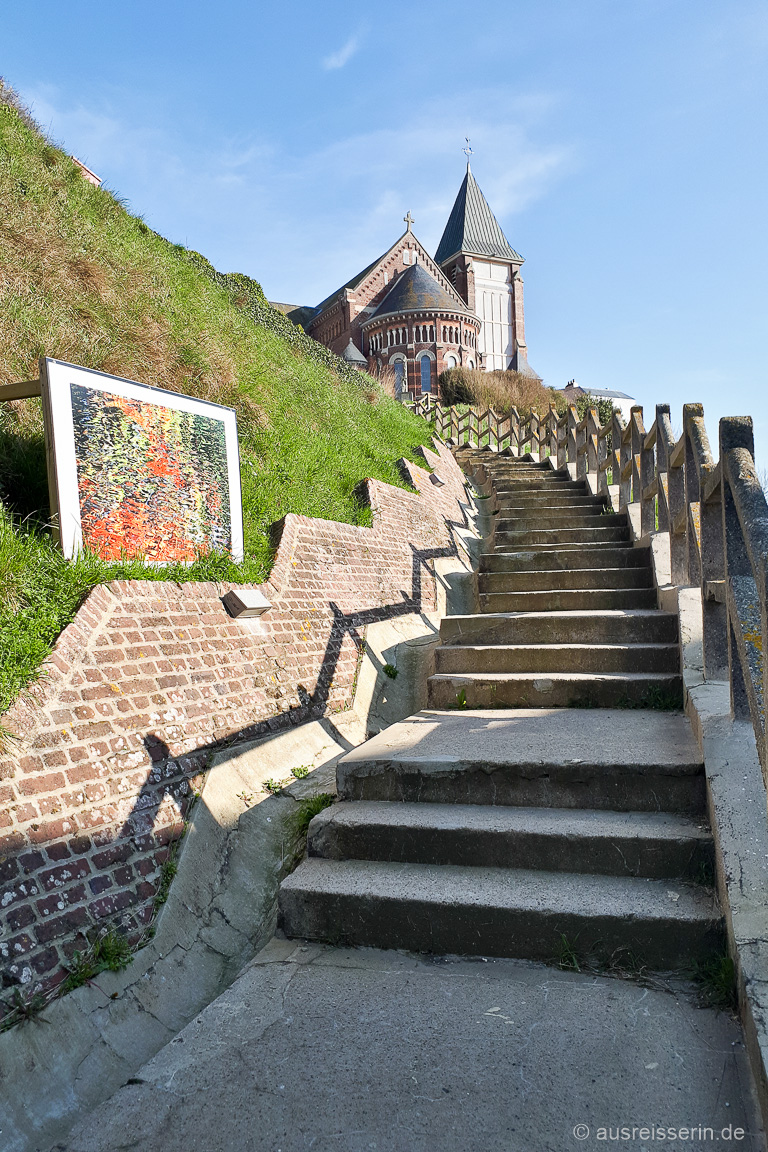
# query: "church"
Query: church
420,315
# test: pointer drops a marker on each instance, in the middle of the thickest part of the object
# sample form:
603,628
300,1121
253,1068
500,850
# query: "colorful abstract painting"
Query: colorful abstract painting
152,481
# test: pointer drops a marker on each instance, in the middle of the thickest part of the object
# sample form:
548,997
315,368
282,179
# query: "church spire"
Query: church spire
472,227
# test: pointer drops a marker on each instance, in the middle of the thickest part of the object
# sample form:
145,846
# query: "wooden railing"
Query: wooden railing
570,440
714,513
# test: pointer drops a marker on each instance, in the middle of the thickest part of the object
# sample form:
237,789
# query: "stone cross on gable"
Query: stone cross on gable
409,219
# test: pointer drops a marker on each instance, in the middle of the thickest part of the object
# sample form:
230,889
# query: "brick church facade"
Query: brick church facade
419,315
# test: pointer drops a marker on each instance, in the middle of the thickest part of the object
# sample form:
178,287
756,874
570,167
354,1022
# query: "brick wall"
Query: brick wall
150,678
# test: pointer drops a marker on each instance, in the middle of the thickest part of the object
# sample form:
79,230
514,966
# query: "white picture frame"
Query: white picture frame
68,391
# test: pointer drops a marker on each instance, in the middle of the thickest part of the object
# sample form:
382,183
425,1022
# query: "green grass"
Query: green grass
717,980
106,951
306,810
87,282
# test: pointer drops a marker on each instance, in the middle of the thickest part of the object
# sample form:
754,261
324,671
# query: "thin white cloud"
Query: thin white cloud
344,54
303,222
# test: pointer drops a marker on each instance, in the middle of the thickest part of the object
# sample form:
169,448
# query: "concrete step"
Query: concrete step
621,760
621,555
592,658
542,579
555,485
651,844
498,911
553,689
558,518
506,541
586,547
615,627
511,504
569,600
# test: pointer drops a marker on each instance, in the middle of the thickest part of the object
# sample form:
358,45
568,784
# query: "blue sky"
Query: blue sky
622,146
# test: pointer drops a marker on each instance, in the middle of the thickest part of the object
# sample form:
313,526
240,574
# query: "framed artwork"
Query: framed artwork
139,472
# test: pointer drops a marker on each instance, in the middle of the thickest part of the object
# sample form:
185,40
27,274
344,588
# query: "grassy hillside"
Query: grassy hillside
83,280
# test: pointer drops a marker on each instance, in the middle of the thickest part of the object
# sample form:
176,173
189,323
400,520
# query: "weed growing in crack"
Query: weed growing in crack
567,958
22,1009
302,815
106,951
657,699
716,978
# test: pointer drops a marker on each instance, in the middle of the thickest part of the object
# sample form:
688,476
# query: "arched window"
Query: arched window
445,334
426,374
450,362
431,331
399,378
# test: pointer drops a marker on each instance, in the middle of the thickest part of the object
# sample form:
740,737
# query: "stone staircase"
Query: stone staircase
498,822
568,612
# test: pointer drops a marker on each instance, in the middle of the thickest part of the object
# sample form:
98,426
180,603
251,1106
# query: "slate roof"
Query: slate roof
353,355
473,228
415,290
609,393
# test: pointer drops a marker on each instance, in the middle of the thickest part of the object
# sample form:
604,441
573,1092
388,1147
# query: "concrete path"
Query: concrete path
353,1050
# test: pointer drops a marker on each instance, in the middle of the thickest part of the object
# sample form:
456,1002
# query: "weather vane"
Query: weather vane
468,150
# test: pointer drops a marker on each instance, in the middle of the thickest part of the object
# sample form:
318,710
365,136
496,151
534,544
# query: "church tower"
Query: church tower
479,261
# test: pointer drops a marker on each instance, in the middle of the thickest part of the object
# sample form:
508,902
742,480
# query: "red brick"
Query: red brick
20,917
48,930
58,851
45,961
123,875
31,764
82,772
116,853
99,884
50,830
98,693
108,905
31,861
58,901
91,731
19,946
24,813
11,842
30,785
9,868
55,878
